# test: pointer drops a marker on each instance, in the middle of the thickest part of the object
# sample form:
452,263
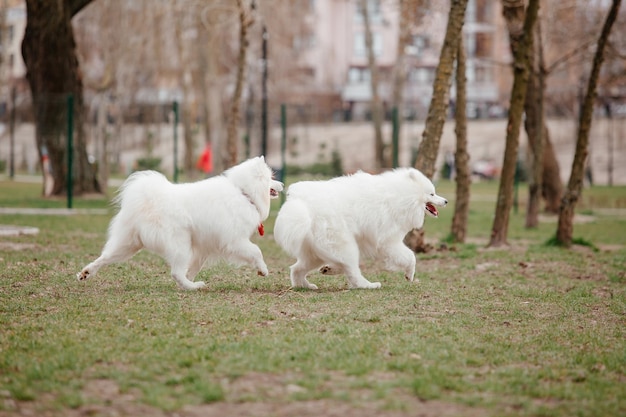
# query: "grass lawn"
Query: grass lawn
526,330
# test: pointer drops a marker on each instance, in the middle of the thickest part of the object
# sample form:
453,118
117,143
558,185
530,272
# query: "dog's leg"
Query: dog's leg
114,251
180,259
247,252
196,265
398,257
179,273
345,257
299,270
356,279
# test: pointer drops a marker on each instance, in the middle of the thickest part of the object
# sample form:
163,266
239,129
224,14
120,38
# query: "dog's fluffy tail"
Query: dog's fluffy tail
292,226
135,182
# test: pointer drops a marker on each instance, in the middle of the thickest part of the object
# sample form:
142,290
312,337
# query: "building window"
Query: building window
418,44
484,45
484,74
358,75
421,75
374,12
484,11
360,50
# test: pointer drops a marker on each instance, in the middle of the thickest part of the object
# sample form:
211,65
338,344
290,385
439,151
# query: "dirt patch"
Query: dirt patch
16,246
329,408
10,230
103,398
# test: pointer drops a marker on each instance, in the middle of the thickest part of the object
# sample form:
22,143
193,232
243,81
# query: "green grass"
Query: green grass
528,330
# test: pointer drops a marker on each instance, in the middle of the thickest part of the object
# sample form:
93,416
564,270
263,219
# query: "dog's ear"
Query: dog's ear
262,158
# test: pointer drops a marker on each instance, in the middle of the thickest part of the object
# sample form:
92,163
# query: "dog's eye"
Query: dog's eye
432,194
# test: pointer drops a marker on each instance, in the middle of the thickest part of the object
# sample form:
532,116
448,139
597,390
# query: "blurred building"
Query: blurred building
12,68
336,56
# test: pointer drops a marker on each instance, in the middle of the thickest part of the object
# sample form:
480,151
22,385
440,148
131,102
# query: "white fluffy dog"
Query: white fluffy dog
188,224
334,222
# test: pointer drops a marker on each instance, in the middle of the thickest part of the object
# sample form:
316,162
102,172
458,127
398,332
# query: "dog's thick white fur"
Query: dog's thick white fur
331,224
188,224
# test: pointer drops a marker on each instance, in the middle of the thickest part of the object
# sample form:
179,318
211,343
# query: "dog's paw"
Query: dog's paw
197,285
366,285
329,270
307,286
82,275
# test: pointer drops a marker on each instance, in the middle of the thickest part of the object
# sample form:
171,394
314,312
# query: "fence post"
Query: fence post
395,137
283,147
264,93
175,108
12,135
70,149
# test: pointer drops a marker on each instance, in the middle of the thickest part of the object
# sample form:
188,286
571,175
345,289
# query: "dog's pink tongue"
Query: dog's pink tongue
261,229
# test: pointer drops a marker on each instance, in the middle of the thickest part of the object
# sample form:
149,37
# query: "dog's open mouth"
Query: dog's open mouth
432,210
275,188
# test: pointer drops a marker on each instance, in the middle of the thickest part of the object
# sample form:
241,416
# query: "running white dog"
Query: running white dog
188,224
331,223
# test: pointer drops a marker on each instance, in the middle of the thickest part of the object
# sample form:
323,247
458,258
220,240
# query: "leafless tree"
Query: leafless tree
437,111
411,13
376,107
246,19
461,156
181,19
536,127
49,52
565,226
514,12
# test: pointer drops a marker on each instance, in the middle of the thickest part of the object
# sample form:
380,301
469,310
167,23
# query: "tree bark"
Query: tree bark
535,127
565,228
549,185
437,111
185,80
376,108
410,14
52,71
245,21
512,10
461,156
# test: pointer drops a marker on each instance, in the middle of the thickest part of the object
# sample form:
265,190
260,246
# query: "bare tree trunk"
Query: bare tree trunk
245,21
410,14
429,147
212,110
376,108
437,111
461,156
512,10
535,127
551,185
53,73
565,227
184,77
399,69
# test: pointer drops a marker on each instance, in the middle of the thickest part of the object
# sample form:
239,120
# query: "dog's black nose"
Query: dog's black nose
445,202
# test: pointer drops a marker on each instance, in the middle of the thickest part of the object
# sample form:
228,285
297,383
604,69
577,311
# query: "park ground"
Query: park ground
524,330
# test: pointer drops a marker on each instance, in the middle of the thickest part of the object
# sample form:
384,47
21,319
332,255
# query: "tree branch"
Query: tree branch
569,55
76,6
